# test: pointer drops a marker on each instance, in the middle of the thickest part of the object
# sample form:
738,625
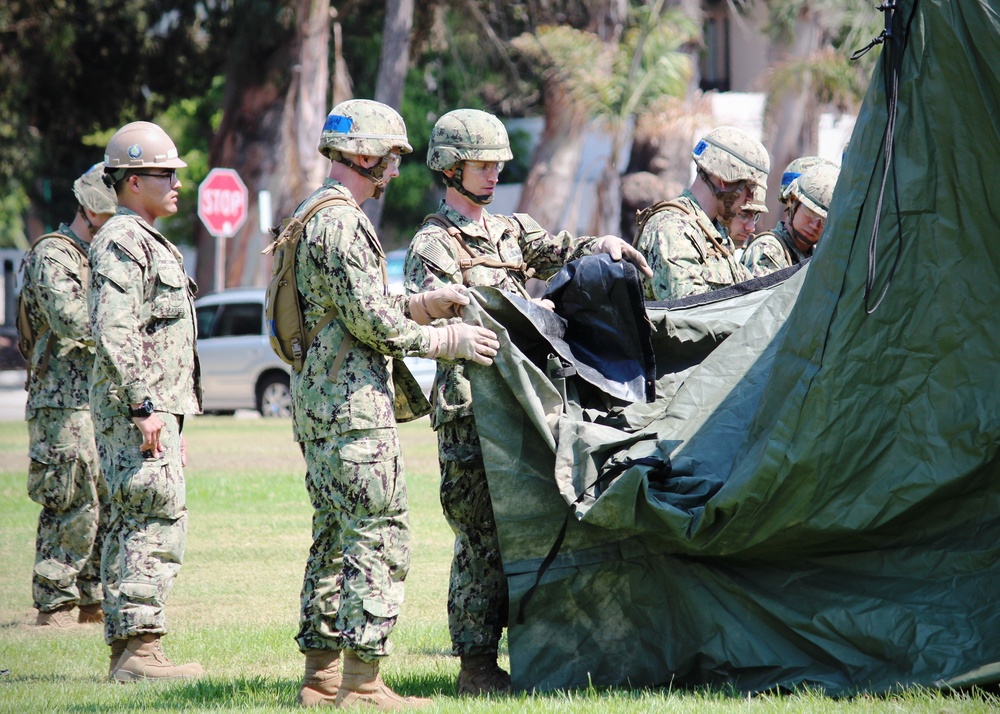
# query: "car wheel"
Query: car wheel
274,397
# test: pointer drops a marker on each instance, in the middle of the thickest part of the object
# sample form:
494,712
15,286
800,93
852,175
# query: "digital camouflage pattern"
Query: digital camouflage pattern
353,586
56,297
772,251
794,170
93,194
143,321
363,126
144,546
64,476
467,135
683,259
142,317
352,592
478,590
339,266
732,155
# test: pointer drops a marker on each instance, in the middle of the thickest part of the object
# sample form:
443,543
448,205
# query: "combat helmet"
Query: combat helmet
139,144
366,128
93,194
756,204
732,155
467,135
795,169
814,188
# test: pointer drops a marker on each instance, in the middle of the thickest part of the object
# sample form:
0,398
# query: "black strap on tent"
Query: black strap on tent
608,476
894,49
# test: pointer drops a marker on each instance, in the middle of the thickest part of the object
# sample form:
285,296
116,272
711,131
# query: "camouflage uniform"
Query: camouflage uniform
353,586
682,256
143,321
477,592
772,251
64,476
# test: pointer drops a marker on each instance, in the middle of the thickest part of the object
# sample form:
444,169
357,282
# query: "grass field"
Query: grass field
235,605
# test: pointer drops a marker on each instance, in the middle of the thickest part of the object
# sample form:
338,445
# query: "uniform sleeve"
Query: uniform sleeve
61,296
543,251
351,275
672,256
430,262
116,301
764,256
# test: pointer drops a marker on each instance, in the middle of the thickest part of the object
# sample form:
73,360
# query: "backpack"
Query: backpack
643,216
471,259
282,305
27,337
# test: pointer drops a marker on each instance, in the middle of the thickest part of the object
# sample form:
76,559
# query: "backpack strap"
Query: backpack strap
707,227
471,259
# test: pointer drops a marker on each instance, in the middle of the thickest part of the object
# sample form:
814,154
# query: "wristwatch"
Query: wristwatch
143,410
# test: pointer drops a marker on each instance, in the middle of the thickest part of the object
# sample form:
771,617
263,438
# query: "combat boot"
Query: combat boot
143,658
361,685
480,674
90,614
59,619
117,650
322,680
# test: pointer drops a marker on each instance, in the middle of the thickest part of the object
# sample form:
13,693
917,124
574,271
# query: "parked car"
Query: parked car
238,368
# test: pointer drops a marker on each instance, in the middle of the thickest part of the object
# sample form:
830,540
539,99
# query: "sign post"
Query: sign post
222,207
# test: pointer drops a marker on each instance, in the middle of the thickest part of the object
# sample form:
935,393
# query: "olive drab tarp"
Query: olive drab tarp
814,499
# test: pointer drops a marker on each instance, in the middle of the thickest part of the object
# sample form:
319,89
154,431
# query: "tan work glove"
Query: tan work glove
618,249
461,341
441,303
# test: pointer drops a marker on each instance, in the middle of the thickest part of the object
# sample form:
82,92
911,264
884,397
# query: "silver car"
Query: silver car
238,368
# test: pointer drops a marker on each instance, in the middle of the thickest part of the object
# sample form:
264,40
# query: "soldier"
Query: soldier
469,148
344,412
793,240
680,238
145,382
64,475
744,223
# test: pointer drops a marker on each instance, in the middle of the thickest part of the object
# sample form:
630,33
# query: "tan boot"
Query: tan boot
144,659
90,614
322,680
480,674
117,650
361,685
59,619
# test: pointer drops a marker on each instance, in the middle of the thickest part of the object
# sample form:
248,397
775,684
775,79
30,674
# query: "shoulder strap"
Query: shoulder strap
471,259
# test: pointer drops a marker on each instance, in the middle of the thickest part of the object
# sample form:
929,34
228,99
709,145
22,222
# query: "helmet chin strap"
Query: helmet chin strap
374,174
791,228
455,181
86,219
728,198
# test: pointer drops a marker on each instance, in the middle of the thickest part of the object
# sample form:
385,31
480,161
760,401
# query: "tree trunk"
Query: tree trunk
791,124
392,68
273,112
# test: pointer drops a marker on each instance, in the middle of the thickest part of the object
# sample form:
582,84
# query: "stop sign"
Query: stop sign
222,202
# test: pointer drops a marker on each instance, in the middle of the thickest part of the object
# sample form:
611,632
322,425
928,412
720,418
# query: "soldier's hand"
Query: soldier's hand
461,341
618,249
150,427
444,303
544,302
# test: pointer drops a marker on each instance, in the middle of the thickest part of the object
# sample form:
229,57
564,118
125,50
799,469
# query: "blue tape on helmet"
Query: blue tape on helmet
338,124
788,177
700,148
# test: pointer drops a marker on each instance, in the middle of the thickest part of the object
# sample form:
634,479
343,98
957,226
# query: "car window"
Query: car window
240,318
206,318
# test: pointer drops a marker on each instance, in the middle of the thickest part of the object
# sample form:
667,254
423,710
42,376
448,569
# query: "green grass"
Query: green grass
235,605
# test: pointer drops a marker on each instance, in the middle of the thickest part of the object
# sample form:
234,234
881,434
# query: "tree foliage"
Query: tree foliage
71,68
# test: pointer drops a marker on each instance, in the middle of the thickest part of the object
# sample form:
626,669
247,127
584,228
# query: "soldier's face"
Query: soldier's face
481,177
158,191
742,225
808,225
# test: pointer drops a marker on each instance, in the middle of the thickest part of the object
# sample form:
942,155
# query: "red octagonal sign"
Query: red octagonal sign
222,202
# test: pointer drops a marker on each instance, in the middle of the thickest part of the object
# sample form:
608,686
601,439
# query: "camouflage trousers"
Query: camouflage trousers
144,546
477,592
352,591
65,479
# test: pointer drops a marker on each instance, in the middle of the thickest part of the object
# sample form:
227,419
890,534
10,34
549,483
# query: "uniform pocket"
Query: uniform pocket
52,474
170,296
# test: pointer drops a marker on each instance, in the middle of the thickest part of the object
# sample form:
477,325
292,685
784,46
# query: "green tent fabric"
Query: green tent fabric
814,498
